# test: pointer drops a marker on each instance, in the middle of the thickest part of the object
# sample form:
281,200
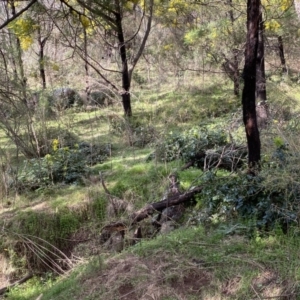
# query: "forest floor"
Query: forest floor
219,259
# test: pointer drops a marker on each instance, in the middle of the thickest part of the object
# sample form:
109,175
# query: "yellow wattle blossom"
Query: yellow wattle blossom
85,21
129,4
285,4
273,5
55,145
189,37
47,156
26,42
23,28
49,159
272,25
88,25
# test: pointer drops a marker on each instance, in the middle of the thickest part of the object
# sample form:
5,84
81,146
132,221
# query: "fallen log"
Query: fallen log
22,280
112,235
150,209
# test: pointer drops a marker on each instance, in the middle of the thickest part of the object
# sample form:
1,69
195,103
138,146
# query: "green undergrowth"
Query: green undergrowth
231,239
233,266
34,239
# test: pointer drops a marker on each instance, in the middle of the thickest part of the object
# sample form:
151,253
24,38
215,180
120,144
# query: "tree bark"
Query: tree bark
125,70
42,43
236,73
261,94
86,67
281,55
231,68
248,97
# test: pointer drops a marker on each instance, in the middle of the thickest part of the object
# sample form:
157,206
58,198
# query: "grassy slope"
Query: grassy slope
191,262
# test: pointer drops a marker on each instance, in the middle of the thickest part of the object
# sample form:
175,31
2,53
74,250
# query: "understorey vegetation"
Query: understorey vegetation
149,150
86,197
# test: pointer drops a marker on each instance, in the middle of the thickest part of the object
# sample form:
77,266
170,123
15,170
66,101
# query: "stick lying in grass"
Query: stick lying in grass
150,209
22,280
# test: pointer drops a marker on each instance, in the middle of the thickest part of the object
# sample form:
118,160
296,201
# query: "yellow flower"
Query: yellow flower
55,145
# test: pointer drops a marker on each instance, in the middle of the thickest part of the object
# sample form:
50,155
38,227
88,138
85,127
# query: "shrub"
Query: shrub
61,165
188,144
44,136
250,197
139,79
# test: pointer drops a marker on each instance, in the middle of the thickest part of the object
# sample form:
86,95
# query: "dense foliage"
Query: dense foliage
189,144
62,165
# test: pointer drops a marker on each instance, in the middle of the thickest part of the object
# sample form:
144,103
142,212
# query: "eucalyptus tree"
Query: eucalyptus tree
111,23
179,21
42,29
248,96
261,94
17,44
281,29
221,35
22,25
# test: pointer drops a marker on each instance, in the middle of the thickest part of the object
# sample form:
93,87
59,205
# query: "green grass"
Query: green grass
254,265
228,258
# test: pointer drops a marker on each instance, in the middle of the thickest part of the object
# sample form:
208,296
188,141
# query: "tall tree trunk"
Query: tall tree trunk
86,67
281,54
125,70
236,73
261,94
42,42
248,97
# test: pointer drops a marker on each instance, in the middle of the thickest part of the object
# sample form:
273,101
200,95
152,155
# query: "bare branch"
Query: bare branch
143,44
99,12
17,14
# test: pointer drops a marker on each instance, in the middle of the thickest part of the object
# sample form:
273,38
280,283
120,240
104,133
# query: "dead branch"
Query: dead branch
22,280
150,209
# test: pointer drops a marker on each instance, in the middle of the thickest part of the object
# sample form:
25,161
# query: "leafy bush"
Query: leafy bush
144,135
92,153
189,144
63,164
44,136
251,197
